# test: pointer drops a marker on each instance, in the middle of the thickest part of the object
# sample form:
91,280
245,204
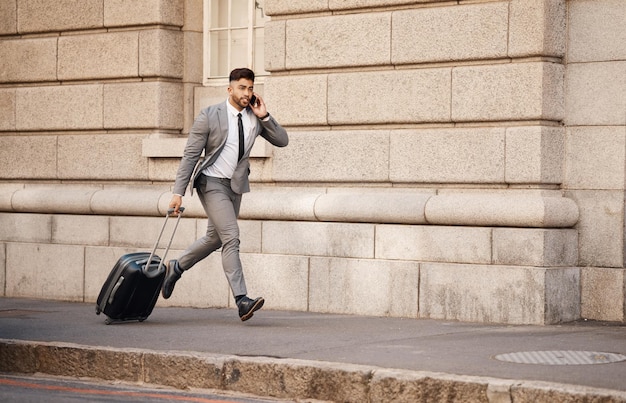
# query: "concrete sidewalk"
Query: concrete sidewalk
301,355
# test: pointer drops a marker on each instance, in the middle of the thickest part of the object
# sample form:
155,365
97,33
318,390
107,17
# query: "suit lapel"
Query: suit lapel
222,118
222,132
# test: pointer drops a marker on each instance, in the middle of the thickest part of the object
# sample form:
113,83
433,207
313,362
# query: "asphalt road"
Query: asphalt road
29,389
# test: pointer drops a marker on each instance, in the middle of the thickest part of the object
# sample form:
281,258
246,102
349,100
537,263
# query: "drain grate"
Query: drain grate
566,357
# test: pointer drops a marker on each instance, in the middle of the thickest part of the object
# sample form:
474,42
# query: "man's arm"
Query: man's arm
272,130
274,133
196,142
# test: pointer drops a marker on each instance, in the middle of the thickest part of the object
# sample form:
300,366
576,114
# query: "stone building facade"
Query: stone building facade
458,160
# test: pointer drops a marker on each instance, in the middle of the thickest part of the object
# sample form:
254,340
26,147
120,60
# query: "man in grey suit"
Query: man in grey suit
225,133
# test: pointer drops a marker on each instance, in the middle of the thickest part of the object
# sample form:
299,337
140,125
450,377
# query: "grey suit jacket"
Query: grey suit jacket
208,134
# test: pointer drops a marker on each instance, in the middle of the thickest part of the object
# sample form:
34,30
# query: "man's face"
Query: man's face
240,92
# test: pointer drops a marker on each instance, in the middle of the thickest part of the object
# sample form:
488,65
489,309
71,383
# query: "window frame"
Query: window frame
251,28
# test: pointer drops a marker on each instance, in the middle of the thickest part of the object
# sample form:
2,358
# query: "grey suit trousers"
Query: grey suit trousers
221,205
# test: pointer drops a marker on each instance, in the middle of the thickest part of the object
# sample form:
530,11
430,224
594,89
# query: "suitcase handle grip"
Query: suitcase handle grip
115,288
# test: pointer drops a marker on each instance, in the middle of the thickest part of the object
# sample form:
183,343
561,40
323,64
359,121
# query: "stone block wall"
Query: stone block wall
469,93
97,76
498,94
450,160
595,119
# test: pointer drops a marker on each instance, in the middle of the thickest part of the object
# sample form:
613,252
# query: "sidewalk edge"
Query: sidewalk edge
278,377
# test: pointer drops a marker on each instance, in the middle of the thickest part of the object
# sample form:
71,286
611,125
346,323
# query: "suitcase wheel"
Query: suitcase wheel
108,321
98,310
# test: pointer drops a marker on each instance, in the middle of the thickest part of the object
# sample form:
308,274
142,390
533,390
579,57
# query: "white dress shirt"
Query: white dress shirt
226,162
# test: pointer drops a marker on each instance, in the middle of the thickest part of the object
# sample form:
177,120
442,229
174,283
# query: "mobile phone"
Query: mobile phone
253,100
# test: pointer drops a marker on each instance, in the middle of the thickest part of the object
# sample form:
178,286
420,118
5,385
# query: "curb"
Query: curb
280,378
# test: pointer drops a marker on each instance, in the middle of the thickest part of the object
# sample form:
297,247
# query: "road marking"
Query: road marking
58,388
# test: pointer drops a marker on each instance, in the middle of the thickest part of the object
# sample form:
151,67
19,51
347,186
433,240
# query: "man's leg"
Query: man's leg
197,251
200,249
223,209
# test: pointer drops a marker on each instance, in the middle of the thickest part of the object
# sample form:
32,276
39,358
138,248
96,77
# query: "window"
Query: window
233,37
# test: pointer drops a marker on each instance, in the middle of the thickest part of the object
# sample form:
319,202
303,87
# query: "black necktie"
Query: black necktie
241,139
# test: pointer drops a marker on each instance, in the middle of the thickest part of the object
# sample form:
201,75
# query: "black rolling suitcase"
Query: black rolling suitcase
133,286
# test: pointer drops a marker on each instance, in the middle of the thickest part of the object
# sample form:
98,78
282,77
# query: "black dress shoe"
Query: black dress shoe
247,307
172,274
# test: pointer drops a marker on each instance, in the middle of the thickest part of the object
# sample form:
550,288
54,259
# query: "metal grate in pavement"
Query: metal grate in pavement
561,357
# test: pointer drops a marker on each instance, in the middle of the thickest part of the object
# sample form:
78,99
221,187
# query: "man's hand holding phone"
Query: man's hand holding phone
258,106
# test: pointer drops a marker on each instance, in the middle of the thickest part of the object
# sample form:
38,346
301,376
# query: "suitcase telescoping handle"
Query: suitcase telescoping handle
146,267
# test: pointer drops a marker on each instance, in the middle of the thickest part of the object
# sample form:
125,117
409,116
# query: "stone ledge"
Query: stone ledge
502,210
371,205
283,378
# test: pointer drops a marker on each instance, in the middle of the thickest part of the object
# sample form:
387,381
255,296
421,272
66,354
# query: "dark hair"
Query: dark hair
238,74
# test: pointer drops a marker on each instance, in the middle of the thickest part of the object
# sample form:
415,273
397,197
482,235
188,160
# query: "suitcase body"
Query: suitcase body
129,293
132,288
